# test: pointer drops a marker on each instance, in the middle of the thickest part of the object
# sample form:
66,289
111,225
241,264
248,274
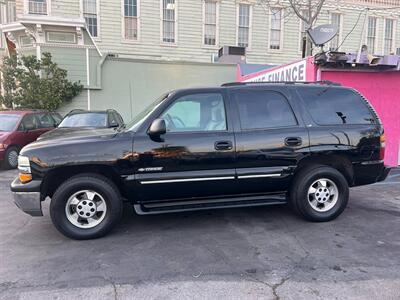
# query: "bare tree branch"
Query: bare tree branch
305,10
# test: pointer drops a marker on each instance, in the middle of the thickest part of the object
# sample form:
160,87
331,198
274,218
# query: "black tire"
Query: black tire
9,158
98,184
299,198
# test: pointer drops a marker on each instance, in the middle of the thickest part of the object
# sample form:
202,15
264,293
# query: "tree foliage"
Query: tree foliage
32,83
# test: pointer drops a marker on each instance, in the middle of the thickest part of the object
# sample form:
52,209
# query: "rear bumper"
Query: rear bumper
27,197
370,172
384,174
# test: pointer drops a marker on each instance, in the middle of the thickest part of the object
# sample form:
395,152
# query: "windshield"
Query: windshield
139,119
8,122
85,120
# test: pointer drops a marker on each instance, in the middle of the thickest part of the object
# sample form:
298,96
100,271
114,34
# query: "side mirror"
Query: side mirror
158,127
113,125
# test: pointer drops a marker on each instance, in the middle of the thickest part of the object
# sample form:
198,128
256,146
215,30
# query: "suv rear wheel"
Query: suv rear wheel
86,206
319,193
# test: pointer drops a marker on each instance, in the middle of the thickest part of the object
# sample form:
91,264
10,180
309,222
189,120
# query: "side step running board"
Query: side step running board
182,206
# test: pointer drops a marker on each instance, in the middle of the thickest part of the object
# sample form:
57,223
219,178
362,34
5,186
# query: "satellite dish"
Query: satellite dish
322,34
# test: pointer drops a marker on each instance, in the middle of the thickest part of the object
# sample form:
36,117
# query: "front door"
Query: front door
195,158
270,139
28,130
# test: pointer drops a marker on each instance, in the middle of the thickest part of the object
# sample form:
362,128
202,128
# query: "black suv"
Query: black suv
232,146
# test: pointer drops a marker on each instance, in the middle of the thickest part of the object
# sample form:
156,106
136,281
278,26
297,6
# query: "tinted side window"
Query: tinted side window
112,120
119,118
29,122
260,109
332,106
45,121
57,118
196,112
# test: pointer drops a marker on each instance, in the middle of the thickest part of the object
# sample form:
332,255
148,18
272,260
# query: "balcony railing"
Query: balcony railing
37,7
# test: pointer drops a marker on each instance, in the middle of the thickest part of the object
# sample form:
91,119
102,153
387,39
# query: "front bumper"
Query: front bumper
27,197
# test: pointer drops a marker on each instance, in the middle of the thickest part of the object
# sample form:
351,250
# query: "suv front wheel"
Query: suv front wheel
319,193
86,206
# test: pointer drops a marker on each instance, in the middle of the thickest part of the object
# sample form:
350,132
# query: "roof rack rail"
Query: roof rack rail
327,82
24,109
75,110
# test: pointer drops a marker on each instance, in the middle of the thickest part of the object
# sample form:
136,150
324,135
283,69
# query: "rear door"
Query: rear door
270,138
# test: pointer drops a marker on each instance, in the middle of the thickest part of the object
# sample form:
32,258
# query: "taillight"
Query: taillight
382,149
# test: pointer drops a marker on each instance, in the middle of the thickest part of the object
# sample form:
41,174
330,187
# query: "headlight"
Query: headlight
24,168
2,147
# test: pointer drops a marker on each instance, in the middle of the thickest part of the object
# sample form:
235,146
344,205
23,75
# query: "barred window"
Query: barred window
168,21
131,19
244,25
90,15
336,20
11,11
371,35
275,32
388,39
210,22
37,7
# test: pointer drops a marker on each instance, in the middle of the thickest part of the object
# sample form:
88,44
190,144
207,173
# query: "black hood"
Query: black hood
79,146
62,132
72,136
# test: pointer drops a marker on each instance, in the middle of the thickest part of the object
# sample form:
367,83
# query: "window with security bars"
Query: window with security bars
276,28
388,39
210,22
303,27
131,19
37,7
90,15
371,34
11,11
168,21
244,25
335,20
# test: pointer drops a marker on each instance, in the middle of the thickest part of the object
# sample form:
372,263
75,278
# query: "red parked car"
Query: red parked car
21,127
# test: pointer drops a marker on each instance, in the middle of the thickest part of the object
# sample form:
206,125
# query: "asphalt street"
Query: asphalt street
252,253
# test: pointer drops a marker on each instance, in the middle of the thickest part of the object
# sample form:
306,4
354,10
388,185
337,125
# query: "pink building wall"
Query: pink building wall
382,89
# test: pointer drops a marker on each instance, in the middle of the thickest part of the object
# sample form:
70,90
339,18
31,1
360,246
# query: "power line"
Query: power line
354,27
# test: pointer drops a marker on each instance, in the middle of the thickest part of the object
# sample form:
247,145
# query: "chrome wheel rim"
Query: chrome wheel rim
86,209
13,158
323,194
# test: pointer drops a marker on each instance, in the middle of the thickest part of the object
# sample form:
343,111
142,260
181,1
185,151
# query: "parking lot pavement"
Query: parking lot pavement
251,253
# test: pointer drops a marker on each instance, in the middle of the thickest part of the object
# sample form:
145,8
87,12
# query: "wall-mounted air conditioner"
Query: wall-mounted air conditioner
232,55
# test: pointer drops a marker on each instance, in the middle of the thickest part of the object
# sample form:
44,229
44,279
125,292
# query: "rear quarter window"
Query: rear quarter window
335,106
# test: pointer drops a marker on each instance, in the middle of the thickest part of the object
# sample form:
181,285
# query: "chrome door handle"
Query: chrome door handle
293,141
223,145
